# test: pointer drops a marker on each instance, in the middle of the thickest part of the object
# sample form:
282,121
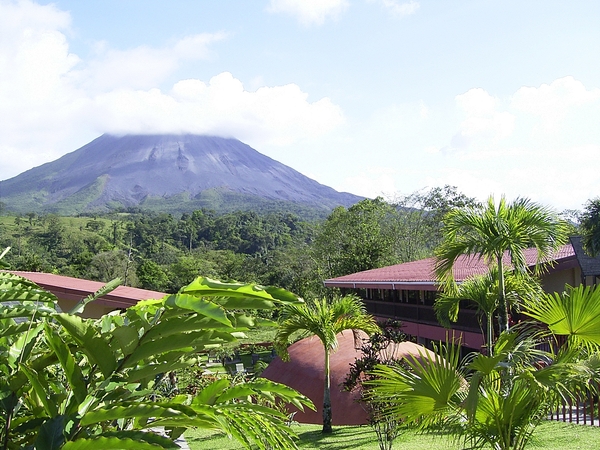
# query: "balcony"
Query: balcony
467,319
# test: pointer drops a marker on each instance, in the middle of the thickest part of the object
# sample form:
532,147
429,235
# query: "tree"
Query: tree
152,276
481,291
420,219
324,320
498,401
113,264
355,239
53,237
380,348
489,231
71,383
590,226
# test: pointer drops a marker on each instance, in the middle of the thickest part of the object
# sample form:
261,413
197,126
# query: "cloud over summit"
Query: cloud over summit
46,88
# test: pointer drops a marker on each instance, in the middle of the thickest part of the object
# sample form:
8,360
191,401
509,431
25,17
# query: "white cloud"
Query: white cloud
399,8
423,110
309,12
51,100
34,54
36,98
553,116
271,115
553,102
482,122
143,67
542,142
557,96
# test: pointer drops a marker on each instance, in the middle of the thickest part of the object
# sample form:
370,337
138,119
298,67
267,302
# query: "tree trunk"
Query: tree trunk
502,305
490,333
327,397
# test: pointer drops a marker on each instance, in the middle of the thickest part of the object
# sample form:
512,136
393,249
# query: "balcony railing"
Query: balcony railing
467,319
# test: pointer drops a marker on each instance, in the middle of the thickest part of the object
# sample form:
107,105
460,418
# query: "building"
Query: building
71,291
408,291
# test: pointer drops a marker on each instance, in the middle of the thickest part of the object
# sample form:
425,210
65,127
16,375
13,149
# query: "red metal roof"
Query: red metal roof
70,288
421,274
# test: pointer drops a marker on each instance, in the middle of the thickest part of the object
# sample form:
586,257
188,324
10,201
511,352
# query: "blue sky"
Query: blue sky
374,97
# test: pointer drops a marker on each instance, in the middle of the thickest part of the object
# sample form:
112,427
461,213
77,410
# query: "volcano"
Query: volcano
167,173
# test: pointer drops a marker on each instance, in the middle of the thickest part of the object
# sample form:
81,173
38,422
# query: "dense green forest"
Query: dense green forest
163,252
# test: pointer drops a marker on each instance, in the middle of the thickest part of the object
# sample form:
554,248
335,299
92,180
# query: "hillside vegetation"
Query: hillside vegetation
163,252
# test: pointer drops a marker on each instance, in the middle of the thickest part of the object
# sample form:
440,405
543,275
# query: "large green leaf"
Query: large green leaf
152,370
284,392
183,342
94,346
40,388
199,305
210,394
229,294
127,337
51,435
14,287
133,410
181,324
14,328
267,389
22,347
70,368
122,440
30,311
25,424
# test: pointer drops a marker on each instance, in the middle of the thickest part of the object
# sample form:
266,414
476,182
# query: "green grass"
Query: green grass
548,436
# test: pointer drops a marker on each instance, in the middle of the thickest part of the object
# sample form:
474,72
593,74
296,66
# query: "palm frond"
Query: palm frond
429,393
575,314
323,320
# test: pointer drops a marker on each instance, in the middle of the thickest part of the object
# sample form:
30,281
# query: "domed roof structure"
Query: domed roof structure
305,372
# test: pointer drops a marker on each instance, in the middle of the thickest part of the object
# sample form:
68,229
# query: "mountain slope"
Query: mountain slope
163,172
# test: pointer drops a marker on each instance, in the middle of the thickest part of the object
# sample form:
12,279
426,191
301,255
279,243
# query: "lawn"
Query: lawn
548,436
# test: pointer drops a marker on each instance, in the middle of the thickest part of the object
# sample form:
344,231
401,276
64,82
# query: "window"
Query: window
429,297
413,297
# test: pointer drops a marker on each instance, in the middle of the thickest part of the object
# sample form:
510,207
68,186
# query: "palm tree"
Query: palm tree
497,401
482,292
324,320
489,231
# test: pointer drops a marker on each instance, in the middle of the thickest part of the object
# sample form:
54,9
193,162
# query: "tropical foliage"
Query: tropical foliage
497,401
481,292
324,320
380,348
163,252
492,230
72,383
357,238
377,232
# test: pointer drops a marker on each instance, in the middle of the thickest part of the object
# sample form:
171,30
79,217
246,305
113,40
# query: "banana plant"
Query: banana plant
71,383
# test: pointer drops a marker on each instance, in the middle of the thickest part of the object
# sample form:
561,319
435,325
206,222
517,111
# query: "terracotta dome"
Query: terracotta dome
305,373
